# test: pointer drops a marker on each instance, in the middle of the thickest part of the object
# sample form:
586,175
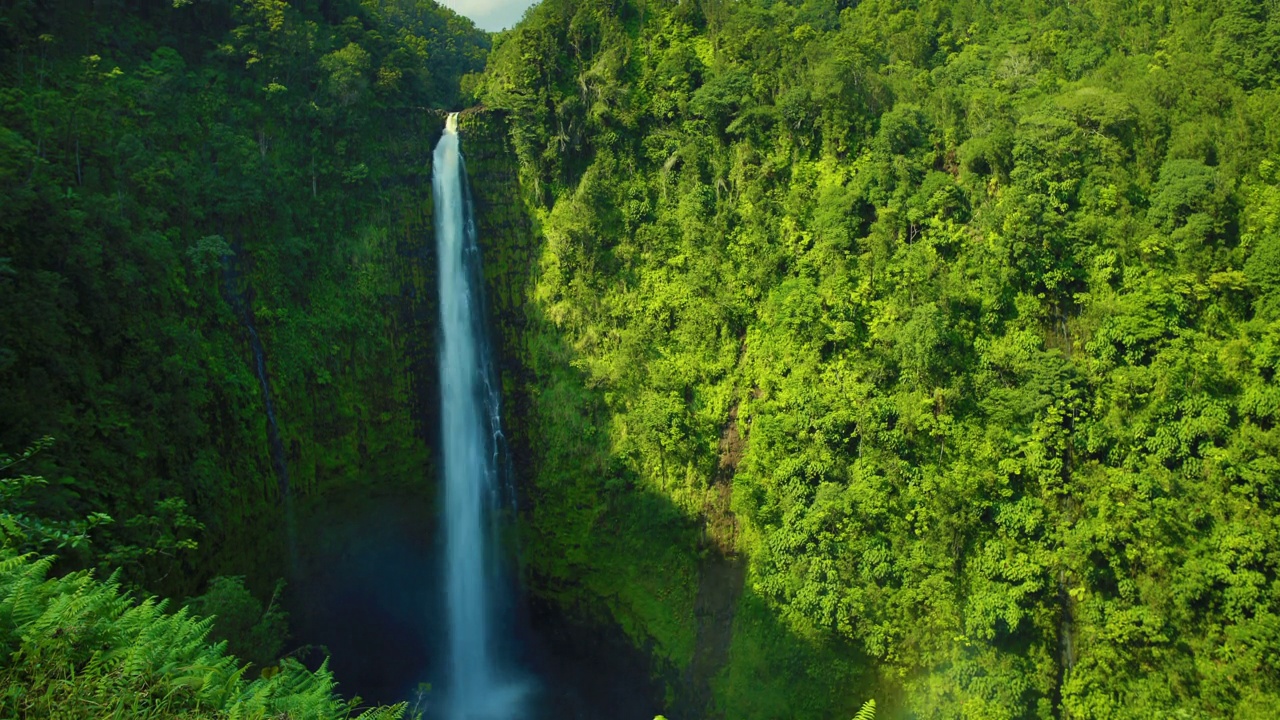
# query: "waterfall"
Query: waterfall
470,424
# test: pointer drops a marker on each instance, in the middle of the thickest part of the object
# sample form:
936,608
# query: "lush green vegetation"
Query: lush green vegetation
145,149
974,306
923,350
181,180
78,648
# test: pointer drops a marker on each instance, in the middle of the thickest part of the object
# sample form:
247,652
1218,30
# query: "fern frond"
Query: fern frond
867,712
76,647
394,712
11,565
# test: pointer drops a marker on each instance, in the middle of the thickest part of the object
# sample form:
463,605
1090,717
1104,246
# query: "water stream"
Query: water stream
479,686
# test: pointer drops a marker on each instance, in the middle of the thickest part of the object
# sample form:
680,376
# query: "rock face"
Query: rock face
351,358
612,561
509,251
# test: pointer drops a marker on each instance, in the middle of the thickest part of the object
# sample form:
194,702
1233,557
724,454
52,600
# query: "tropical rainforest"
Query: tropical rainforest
922,351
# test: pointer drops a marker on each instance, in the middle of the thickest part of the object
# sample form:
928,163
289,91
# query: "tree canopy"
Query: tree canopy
987,290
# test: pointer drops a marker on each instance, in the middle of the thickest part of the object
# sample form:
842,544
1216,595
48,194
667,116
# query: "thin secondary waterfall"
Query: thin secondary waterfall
235,297
471,442
275,445
274,442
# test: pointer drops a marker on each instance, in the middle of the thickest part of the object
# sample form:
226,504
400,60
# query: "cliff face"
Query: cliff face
365,412
168,309
506,235
350,359
596,547
196,208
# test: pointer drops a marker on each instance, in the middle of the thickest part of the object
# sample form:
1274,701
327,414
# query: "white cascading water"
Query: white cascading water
476,688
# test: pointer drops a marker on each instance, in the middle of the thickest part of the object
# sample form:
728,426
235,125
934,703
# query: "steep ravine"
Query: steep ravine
366,589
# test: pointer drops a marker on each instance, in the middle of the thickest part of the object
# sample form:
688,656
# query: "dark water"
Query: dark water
367,589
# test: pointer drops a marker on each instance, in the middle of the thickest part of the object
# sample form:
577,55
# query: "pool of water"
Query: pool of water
366,591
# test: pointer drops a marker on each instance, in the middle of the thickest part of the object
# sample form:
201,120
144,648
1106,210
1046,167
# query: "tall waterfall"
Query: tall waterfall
471,432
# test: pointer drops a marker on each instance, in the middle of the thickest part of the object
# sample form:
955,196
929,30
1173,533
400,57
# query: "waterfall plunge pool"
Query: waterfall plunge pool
367,588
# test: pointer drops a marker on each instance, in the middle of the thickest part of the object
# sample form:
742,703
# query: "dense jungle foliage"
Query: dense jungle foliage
176,174
916,350
958,320
203,204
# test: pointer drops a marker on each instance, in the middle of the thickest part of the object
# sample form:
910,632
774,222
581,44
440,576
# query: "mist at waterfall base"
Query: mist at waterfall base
414,601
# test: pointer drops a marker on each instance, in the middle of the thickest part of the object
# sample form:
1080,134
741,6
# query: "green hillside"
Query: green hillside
923,351
957,322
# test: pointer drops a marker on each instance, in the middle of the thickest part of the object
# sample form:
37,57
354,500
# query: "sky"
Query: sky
490,14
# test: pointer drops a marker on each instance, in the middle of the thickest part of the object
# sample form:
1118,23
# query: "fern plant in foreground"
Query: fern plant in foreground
76,647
